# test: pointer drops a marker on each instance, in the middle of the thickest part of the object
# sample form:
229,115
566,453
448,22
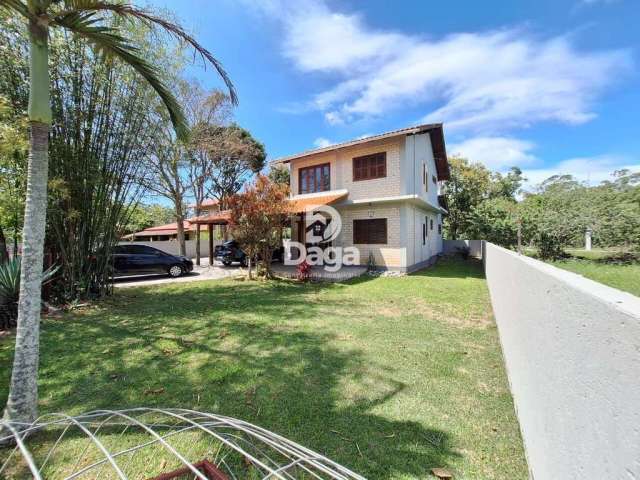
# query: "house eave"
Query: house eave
416,200
435,130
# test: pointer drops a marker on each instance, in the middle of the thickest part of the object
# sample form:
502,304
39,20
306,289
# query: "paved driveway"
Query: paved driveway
203,272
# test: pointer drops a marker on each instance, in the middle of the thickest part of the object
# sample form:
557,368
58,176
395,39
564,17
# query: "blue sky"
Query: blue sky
550,85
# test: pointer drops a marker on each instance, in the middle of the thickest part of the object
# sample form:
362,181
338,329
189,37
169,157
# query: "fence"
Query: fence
454,246
173,247
571,348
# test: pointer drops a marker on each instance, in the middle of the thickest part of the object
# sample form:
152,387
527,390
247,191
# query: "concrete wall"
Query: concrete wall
474,246
572,352
172,246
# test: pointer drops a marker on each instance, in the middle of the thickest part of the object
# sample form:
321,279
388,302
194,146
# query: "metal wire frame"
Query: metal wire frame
239,449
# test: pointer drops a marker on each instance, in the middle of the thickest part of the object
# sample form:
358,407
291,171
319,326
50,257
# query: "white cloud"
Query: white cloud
496,153
585,169
484,82
593,2
322,142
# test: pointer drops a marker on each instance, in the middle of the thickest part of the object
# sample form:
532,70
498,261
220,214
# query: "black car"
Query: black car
230,252
144,260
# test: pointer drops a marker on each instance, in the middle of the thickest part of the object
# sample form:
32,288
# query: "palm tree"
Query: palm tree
86,19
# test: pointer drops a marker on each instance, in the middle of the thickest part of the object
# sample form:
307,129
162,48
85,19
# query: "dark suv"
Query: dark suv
144,260
230,252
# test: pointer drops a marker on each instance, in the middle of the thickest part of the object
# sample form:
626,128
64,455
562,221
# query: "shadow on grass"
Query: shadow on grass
453,267
236,348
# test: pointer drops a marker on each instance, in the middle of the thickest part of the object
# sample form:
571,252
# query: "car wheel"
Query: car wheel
226,264
244,263
175,271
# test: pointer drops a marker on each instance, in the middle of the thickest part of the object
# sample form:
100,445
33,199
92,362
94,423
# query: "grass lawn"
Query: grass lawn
623,277
389,376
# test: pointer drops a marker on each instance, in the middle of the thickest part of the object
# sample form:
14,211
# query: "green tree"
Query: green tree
558,213
467,186
13,173
280,174
495,220
235,157
86,19
146,216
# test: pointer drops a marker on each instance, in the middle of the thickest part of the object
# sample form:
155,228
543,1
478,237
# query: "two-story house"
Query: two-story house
386,190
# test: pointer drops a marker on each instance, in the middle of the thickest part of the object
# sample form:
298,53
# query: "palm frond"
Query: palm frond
130,11
16,6
107,41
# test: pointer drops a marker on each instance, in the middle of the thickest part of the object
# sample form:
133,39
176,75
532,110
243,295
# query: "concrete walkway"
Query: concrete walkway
202,272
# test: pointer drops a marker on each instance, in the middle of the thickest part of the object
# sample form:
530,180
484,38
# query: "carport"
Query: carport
218,218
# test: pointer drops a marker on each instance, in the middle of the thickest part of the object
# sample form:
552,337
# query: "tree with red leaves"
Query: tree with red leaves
258,216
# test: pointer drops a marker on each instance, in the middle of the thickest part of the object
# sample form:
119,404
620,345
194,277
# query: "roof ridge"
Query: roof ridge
357,141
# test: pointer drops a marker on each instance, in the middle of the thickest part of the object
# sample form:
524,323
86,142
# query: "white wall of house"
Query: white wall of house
341,162
391,255
418,153
389,186
419,251
172,246
407,156
571,347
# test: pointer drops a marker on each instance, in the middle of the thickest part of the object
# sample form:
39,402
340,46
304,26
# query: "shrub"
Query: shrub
550,246
303,270
371,263
10,290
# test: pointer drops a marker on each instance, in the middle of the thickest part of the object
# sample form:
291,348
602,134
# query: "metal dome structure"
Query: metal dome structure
156,444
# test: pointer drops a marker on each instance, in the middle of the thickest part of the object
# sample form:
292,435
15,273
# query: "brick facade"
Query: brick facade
407,157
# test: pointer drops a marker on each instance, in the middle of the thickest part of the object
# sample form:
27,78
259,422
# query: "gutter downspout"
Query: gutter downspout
413,208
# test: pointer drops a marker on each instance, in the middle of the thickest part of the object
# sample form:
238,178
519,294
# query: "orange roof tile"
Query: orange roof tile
168,227
299,205
218,218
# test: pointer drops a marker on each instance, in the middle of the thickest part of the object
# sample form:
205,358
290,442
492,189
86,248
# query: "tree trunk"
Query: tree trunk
198,244
249,266
267,255
180,220
22,404
15,241
4,254
198,235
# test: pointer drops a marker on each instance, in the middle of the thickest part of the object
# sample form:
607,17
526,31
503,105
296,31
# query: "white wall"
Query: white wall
172,246
474,246
418,151
572,352
341,169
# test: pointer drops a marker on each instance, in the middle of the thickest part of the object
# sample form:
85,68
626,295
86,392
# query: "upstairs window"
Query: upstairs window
316,178
369,167
371,231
